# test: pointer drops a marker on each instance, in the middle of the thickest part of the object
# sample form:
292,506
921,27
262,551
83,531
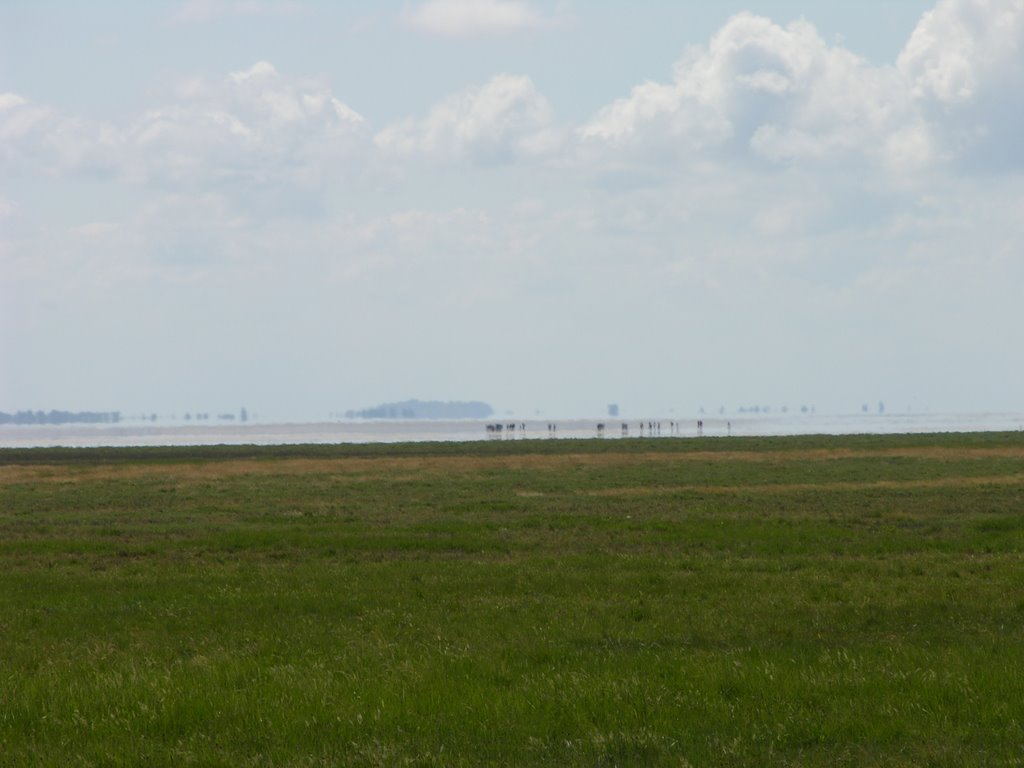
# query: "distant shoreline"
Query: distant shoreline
474,430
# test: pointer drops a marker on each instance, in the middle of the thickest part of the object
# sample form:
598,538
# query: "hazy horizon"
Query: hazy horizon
303,208
242,417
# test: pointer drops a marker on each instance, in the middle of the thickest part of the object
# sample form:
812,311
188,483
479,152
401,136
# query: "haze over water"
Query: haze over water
387,431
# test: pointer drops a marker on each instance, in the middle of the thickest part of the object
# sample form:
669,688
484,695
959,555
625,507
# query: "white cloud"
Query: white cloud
504,119
40,138
18,117
961,45
759,89
256,135
964,63
10,100
474,18
256,128
258,70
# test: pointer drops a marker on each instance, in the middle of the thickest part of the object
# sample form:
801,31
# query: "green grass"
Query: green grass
743,602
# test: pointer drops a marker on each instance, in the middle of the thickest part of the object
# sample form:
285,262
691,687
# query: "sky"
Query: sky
302,208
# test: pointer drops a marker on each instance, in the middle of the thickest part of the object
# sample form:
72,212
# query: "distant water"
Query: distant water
128,434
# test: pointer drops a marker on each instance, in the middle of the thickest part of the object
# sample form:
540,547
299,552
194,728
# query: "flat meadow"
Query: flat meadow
812,601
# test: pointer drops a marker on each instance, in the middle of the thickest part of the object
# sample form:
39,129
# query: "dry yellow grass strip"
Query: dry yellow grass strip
394,467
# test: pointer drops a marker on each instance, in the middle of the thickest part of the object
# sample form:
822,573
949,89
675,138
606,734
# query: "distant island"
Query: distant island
419,409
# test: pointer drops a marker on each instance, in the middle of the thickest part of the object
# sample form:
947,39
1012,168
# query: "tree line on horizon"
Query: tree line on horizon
61,417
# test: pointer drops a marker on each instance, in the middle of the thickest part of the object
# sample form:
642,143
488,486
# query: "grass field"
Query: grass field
791,601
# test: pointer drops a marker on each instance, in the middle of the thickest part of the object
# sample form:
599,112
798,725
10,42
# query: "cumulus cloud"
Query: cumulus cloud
475,18
40,137
255,129
766,91
254,126
964,64
504,119
961,45
19,118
